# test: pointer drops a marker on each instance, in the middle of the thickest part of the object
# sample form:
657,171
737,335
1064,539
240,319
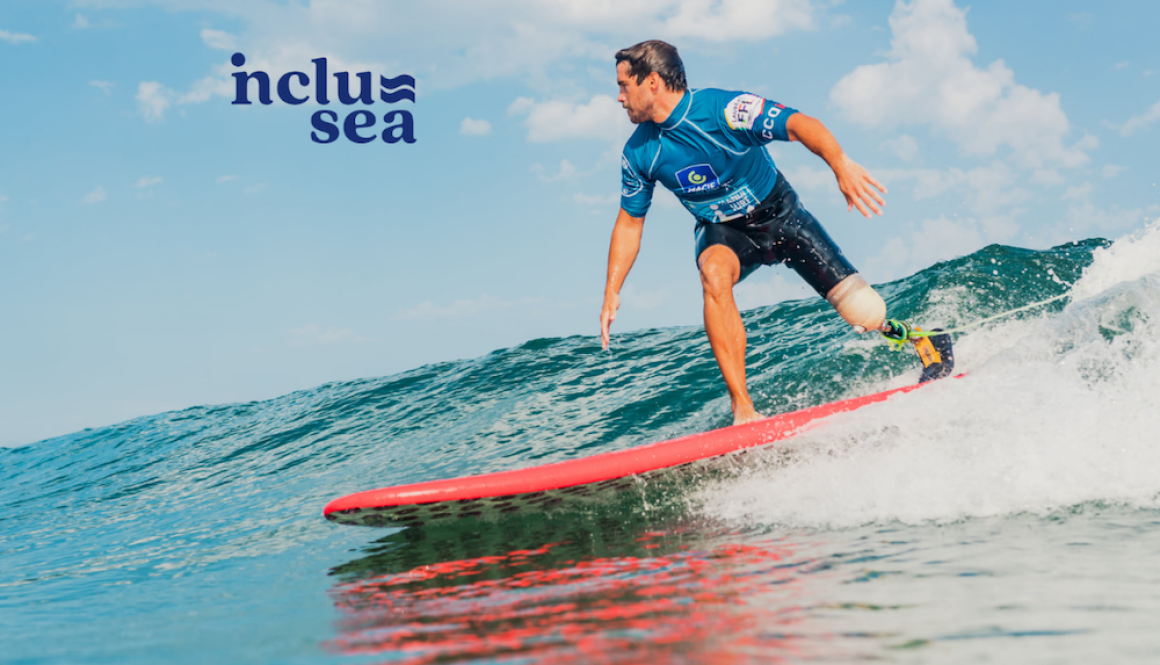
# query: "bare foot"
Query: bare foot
745,414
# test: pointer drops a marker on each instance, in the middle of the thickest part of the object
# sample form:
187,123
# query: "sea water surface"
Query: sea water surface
1008,516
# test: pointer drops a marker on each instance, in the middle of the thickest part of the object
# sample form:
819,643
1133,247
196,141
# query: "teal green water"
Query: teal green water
1010,515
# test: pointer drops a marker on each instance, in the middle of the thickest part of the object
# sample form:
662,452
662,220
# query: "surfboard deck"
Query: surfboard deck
590,478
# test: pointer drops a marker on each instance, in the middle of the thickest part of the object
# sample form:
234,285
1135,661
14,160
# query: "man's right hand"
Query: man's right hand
608,315
622,252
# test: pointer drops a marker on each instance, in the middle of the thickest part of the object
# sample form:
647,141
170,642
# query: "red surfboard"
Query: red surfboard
549,485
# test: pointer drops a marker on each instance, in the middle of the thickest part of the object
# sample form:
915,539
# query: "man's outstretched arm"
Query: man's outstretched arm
856,184
622,253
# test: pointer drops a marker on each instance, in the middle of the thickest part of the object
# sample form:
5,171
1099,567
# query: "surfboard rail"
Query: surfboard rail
603,468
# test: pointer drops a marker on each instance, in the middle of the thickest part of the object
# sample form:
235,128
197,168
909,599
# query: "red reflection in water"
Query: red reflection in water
687,606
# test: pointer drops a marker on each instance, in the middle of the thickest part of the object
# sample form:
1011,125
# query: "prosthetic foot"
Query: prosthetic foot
935,352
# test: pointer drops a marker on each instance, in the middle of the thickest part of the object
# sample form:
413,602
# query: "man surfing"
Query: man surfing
707,147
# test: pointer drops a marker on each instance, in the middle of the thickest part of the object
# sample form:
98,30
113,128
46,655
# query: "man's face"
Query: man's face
636,98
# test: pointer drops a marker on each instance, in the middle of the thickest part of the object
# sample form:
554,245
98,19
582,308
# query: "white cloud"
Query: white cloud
738,19
95,196
929,79
313,334
596,199
903,147
601,117
928,183
16,37
153,99
80,23
1143,120
216,39
521,106
989,189
941,238
1113,170
810,179
226,178
105,86
473,127
456,42
463,41
944,238
1121,65
256,188
465,307
1082,20
1048,178
995,189
567,171
146,181
466,40
934,240
1084,219
1078,192
636,299
205,88
778,287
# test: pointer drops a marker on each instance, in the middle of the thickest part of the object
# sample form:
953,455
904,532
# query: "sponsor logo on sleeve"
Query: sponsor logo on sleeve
742,110
774,110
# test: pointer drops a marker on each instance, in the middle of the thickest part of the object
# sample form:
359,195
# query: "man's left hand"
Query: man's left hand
858,187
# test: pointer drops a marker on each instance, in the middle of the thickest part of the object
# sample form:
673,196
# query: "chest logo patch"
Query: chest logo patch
699,178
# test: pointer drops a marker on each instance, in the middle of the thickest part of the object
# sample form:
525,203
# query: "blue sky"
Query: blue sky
162,248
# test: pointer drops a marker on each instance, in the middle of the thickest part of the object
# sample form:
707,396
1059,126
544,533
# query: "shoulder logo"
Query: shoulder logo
742,110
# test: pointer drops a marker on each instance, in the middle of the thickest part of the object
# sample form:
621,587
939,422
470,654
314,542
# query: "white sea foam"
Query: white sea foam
1056,411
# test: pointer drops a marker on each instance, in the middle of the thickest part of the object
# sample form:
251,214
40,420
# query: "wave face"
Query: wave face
196,535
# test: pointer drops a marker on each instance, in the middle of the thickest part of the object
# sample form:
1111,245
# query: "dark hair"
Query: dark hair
655,56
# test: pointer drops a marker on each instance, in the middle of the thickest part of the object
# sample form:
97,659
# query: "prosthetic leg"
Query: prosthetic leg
935,351
860,305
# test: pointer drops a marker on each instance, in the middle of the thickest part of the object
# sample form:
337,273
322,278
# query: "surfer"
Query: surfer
707,147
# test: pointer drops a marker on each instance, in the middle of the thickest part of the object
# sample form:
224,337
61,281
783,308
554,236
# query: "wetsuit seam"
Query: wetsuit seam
653,165
713,140
692,93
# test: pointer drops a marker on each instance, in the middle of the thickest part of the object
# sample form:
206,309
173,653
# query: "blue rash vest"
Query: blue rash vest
710,152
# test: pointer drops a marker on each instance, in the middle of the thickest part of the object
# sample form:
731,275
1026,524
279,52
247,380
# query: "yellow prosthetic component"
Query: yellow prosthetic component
858,303
934,348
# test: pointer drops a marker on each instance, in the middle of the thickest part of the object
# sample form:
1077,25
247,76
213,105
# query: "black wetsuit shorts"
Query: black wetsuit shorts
780,230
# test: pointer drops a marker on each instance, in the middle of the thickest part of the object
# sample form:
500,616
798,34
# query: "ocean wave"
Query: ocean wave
1057,411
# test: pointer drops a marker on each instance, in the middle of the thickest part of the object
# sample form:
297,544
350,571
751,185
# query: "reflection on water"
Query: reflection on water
1080,585
545,591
